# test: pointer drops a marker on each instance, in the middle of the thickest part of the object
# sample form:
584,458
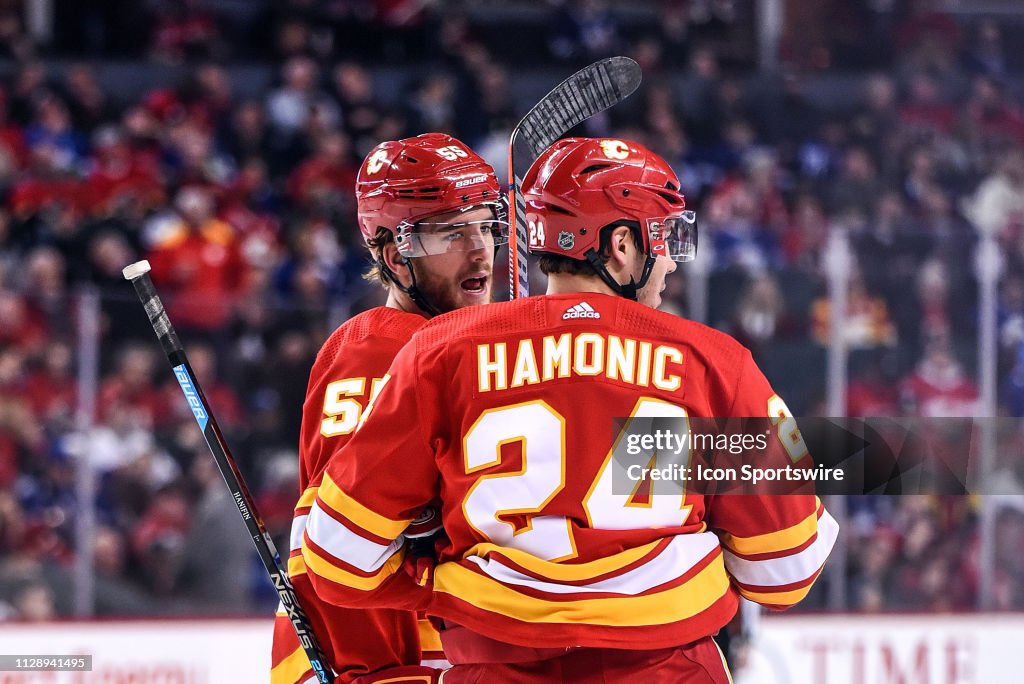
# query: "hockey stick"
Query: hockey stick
589,91
138,274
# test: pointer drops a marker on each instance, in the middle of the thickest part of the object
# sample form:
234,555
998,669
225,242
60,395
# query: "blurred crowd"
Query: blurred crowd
244,207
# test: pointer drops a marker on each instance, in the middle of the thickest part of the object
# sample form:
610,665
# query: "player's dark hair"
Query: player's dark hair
554,263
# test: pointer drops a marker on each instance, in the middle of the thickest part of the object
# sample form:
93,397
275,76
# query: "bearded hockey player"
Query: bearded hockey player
507,414
431,213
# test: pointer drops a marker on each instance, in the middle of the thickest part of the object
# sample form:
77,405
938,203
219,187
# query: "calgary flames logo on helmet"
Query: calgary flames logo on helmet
615,149
376,161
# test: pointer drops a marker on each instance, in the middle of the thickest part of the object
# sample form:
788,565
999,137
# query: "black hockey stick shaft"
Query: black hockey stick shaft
589,91
138,274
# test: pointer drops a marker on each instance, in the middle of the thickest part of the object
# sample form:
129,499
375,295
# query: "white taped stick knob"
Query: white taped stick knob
133,271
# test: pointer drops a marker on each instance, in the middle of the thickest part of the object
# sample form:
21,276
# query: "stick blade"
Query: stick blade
589,91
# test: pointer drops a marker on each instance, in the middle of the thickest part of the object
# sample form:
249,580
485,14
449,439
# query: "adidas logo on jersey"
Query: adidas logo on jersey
581,310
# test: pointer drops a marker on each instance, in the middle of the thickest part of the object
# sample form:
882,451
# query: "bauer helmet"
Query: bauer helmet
401,183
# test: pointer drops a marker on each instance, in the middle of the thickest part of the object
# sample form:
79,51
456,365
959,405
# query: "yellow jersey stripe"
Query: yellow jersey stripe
291,669
782,598
665,607
780,540
374,523
430,638
296,566
562,572
306,500
321,567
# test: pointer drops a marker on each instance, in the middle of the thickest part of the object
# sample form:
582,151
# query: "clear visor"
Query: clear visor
674,236
425,238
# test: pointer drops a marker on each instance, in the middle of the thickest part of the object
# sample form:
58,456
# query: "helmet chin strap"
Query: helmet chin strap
412,290
630,289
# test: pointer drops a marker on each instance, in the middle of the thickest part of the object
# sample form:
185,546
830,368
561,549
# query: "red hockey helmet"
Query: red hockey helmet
580,185
402,182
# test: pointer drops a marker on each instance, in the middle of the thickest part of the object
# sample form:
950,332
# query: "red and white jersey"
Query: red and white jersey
940,390
507,414
347,372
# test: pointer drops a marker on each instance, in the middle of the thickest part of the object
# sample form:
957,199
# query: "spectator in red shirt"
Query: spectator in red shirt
328,177
874,392
184,29
19,325
209,98
991,119
938,387
52,388
926,111
248,206
928,39
805,236
197,265
46,186
119,175
21,436
157,540
130,390
12,139
46,292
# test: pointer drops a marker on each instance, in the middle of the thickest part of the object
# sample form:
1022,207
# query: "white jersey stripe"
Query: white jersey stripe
436,664
343,543
775,572
676,559
298,527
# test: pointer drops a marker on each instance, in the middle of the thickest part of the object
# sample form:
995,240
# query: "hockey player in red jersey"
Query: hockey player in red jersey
431,213
506,413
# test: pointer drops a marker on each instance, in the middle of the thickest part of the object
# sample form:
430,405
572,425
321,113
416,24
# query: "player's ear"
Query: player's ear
397,263
621,247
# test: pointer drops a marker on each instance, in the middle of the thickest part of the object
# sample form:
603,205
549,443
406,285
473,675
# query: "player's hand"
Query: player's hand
424,538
